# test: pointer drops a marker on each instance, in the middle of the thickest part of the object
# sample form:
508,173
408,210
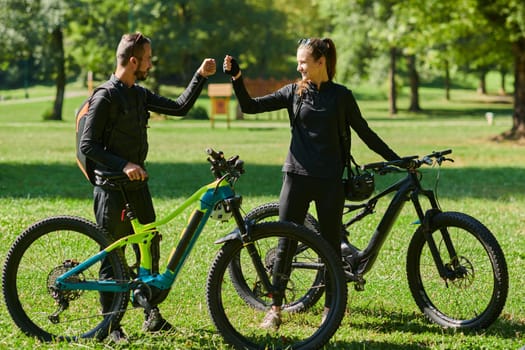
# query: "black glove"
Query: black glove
234,70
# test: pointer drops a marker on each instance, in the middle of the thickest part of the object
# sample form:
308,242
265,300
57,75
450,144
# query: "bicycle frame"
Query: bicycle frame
208,196
407,189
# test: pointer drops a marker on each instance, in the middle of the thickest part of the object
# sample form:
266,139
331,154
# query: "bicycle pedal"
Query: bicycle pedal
359,284
140,299
350,277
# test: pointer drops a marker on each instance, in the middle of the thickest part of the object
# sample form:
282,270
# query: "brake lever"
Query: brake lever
444,159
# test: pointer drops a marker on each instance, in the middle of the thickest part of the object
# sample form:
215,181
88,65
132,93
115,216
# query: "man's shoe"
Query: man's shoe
118,336
272,320
155,322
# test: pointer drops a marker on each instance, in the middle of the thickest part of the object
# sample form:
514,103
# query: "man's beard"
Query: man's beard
141,75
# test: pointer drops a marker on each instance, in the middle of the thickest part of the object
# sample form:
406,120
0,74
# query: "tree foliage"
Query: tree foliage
370,35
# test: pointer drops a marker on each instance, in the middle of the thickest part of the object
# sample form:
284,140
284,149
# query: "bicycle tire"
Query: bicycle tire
41,253
238,322
475,297
270,212
251,294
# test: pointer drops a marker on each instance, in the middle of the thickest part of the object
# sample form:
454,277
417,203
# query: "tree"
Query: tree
21,35
85,33
31,25
413,77
58,47
185,32
93,32
506,19
377,33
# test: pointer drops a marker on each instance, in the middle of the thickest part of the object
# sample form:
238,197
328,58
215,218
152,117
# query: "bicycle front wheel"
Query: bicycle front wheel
239,322
300,295
39,255
474,289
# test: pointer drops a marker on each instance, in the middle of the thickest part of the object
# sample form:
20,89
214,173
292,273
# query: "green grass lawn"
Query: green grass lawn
39,178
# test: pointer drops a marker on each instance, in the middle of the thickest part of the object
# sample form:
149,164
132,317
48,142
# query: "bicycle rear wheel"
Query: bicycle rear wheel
299,295
474,292
238,321
39,255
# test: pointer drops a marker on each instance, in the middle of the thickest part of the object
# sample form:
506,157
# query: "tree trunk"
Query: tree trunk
482,85
414,84
517,132
392,94
518,118
447,81
60,61
503,75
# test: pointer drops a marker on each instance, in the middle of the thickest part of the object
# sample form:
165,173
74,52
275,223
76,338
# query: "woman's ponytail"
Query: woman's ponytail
331,57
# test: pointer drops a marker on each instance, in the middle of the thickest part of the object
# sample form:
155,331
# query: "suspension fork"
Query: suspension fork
426,222
244,229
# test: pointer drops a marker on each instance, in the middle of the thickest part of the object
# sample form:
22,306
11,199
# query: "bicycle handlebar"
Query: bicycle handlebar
220,167
409,162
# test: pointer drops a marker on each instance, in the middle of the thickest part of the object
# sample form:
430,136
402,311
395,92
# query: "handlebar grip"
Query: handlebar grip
214,155
377,165
402,162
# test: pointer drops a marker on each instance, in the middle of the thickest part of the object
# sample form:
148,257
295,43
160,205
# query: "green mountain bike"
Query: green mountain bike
52,284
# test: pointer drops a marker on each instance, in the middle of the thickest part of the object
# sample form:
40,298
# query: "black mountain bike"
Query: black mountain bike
455,268
51,277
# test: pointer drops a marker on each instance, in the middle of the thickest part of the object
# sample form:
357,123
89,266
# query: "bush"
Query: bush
48,114
197,112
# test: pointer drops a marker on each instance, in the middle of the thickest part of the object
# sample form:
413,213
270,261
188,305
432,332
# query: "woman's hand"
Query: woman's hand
231,67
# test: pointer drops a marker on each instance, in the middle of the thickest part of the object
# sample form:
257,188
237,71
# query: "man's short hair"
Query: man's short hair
131,45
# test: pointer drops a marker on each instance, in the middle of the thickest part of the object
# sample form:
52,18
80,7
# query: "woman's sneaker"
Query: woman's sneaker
272,320
325,314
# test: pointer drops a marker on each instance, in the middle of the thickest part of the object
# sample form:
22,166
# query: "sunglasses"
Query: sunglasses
320,45
304,42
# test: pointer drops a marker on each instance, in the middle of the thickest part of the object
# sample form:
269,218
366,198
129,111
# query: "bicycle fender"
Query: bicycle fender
235,234
429,215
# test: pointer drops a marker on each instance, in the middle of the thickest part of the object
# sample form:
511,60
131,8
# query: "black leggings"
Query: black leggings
296,194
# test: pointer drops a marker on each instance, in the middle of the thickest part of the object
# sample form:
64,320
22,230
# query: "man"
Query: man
116,140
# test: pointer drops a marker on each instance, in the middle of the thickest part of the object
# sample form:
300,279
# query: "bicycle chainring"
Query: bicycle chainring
269,260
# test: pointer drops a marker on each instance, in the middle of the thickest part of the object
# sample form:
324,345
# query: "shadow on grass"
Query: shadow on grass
388,321
380,321
175,180
454,113
442,114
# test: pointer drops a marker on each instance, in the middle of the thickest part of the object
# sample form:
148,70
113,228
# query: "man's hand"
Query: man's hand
207,68
135,172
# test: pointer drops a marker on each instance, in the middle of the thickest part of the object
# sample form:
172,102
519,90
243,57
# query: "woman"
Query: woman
313,169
